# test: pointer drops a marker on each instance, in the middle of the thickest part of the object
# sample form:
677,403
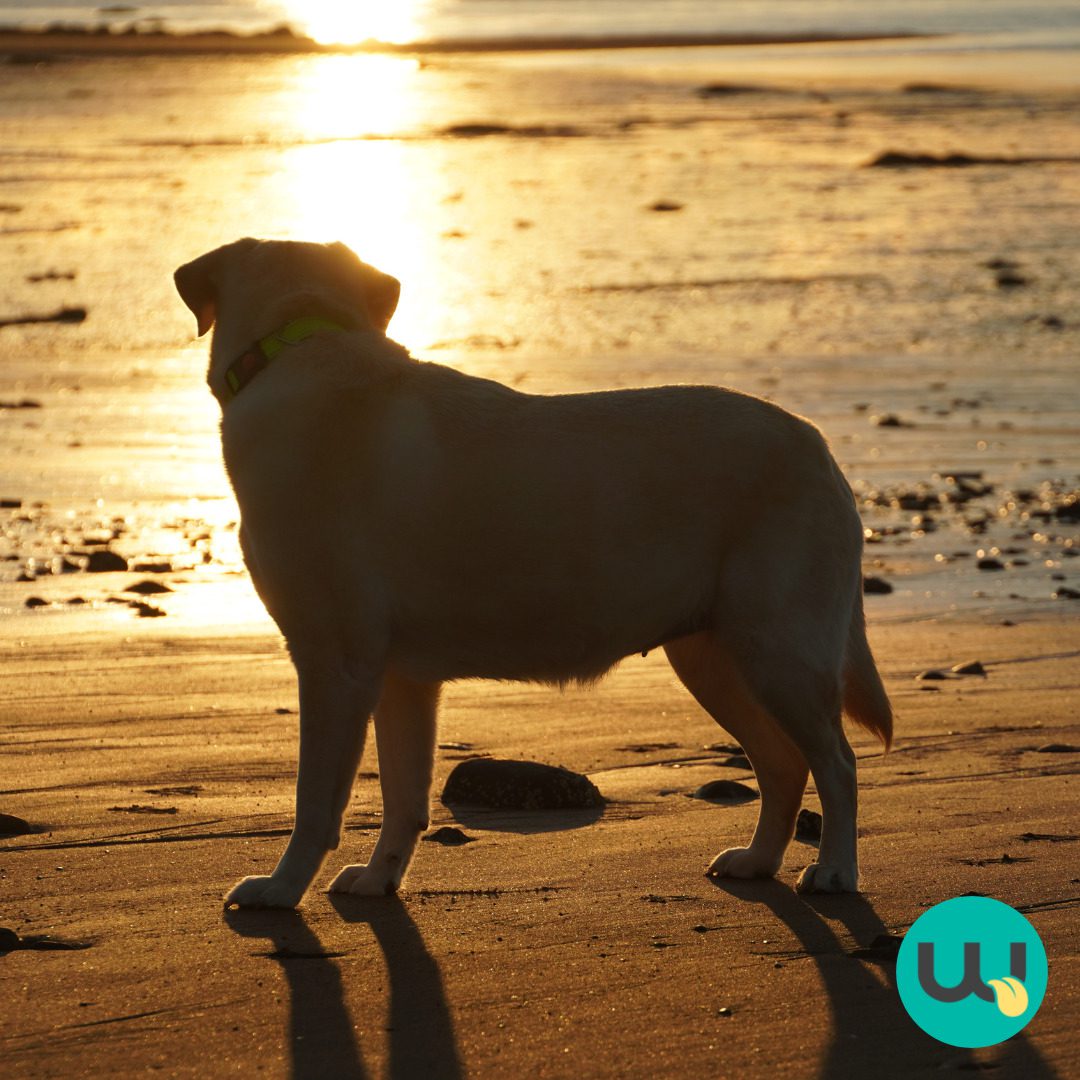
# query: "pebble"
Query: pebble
808,826
972,667
725,791
35,601
933,673
146,611
1065,593
736,761
1058,748
519,785
148,587
449,837
103,562
990,564
876,585
665,206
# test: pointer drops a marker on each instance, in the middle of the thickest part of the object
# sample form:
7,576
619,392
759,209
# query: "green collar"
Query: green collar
242,370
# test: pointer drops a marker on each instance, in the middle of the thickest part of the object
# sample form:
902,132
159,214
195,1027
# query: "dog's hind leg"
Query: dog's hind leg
709,672
405,736
805,700
336,701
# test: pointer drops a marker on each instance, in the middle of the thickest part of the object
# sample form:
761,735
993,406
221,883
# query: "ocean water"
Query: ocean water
1039,24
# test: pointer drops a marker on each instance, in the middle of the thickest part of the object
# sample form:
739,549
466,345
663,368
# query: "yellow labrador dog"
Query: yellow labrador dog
406,525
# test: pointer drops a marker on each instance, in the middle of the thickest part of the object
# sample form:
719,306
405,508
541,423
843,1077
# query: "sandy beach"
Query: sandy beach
874,244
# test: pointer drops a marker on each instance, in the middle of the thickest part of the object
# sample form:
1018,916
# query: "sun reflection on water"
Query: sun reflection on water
374,194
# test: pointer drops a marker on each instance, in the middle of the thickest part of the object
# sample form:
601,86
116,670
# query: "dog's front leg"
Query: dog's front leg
405,736
336,701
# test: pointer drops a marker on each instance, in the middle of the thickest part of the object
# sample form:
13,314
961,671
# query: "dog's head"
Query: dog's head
244,279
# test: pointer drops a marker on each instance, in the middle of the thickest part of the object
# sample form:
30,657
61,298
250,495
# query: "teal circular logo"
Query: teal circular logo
971,971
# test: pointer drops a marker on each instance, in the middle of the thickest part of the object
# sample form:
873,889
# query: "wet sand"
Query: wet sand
924,315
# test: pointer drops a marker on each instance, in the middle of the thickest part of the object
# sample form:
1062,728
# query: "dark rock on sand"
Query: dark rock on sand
104,562
10,504
449,837
721,90
884,947
990,563
1065,593
972,667
138,808
876,585
35,601
10,825
736,761
665,206
725,791
147,587
152,567
808,826
933,674
519,785
1058,748
147,611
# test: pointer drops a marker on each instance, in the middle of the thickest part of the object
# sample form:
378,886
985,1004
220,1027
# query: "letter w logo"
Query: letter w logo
971,981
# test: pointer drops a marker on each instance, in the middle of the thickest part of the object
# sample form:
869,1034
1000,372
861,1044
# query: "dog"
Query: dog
407,525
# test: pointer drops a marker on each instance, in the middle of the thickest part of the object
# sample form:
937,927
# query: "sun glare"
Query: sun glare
352,22
370,193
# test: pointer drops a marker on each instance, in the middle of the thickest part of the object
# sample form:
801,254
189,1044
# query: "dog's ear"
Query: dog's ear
377,292
197,282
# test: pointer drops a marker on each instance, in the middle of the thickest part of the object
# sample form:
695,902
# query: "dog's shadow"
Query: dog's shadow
871,1033
322,1037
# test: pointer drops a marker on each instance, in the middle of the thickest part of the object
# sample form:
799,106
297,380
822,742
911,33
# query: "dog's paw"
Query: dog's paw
363,881
739,862
263,892
823,878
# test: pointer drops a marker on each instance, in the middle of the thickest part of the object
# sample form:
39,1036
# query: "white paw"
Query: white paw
364,881
739,862
264,892
823,878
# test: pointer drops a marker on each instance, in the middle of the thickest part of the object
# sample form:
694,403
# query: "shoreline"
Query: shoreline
70,41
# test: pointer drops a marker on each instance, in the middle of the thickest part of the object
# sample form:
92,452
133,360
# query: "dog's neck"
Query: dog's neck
232,341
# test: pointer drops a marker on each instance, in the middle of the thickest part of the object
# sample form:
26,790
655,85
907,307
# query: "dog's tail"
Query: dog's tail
865,700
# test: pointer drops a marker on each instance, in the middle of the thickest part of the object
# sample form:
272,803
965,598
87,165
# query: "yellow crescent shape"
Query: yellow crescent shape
1012,997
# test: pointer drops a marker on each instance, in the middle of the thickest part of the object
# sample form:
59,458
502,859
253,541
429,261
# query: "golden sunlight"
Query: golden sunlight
369,192
352,22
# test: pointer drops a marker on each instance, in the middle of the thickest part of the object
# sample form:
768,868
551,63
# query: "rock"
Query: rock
718,90
736,761
889,420
148,587
139,808
152,567
808,826
725,791
10,825
449,837
665,206
104,562
519,785
972,667
990,563
35,601
885,947
1058,748
1065,593
10,504
876,585
933,673
9,940
146,611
